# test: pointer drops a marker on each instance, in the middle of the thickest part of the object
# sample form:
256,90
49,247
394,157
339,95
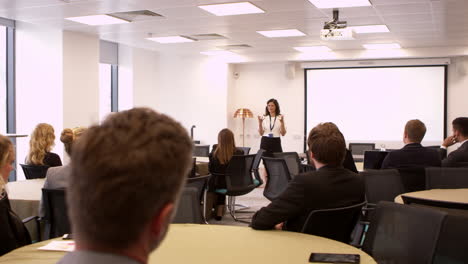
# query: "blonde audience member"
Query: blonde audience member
40,145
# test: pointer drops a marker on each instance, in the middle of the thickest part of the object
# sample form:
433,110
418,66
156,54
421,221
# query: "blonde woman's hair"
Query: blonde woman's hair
42,141
69,136
226,146
6,149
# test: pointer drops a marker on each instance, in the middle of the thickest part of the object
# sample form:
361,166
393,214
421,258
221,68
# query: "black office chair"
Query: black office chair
56,218
413,179
201,150
382,185
442,151
13,233
461,165
34,171
292,161
278,177
453,238
403,234
446,178
256,164
358,150
188,210
200,183
334,223
245,149
373,159
239,181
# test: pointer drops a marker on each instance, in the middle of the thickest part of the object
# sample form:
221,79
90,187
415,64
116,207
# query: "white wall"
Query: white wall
38,84
255,85
125,77
193,90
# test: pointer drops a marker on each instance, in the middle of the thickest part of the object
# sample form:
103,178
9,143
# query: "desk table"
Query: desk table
445,195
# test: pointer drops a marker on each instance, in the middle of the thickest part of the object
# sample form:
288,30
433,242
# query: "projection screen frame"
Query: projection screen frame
368,67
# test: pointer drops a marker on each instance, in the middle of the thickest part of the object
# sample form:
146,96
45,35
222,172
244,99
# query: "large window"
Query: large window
3,79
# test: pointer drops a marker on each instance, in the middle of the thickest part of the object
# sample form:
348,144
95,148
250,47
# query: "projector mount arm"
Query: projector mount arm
335,23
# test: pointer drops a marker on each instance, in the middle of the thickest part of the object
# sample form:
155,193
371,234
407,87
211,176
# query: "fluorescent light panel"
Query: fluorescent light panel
281,33
382,46
231,9
313,49
218,53
339,3
370,29
97,20
171,39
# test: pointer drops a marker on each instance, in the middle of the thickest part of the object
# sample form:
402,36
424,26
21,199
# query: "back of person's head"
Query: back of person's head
6,151
461,125
327,144
41,142
415,130
69,136
226,146
124,173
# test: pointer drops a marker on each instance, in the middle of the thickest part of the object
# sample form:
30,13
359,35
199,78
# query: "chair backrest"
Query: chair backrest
403,234
13,234
360,148
278,177
239,179
453,238
434,203
382,185
256,165
245,149
446,178
200,183
34,171
373,159
335,223
188,208
201,150
292,161
442,151
56,214
460,165
413,179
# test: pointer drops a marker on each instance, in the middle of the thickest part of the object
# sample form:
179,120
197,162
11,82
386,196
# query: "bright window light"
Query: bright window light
281,33
313,49
98,20
218,53
171,39
382,46
370,29
339,3
231,9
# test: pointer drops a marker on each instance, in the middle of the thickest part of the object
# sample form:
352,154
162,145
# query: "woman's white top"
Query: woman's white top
271,125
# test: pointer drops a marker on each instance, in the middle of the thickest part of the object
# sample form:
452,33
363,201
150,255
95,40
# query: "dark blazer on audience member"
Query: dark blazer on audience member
53,160
216,167
456,156
328,187
412,155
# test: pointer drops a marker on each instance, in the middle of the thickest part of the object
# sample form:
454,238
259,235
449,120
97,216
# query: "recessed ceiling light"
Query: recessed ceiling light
382,46
98,20
218,53
370,29
339,3
313,49
231,9
281,33
171,39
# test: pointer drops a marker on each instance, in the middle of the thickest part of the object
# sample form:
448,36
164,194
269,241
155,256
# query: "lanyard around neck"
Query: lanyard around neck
274,122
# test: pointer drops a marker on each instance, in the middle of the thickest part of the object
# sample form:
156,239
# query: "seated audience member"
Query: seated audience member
460,135
40,145
13,234
219,160
127,175
413,154
57,177
330,186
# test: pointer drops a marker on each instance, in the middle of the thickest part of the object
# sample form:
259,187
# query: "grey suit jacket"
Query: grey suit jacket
57,177
88,257
456,156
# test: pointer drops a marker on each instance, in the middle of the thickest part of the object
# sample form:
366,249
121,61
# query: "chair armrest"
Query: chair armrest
38,221
29,219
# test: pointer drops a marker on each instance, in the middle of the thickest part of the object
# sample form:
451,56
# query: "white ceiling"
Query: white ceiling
415,24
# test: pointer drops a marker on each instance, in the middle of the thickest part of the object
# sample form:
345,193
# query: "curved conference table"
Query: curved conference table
445,195
202,244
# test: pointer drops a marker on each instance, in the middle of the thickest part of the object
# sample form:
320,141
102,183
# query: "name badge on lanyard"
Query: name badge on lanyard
270,135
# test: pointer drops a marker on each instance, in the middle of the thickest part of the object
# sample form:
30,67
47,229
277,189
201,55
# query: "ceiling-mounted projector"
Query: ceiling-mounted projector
336,29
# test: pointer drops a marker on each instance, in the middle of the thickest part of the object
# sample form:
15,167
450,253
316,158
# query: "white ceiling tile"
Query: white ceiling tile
404,9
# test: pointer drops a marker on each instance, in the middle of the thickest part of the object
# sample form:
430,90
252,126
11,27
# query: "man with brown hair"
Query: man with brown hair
330,186
459,157
126,178
413,154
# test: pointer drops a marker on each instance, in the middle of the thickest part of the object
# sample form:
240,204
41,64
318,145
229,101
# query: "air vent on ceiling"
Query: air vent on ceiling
207,36
138,15
235,47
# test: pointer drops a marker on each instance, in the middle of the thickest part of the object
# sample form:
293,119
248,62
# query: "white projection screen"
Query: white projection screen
372,105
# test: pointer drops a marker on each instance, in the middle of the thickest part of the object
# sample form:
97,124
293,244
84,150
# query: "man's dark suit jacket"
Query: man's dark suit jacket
322,189
456,156
412,155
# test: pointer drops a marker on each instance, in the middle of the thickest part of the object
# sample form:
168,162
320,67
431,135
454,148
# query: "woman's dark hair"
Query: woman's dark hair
277,108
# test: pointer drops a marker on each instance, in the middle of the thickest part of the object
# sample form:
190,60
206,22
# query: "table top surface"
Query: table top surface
25,190
187,243
446,195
